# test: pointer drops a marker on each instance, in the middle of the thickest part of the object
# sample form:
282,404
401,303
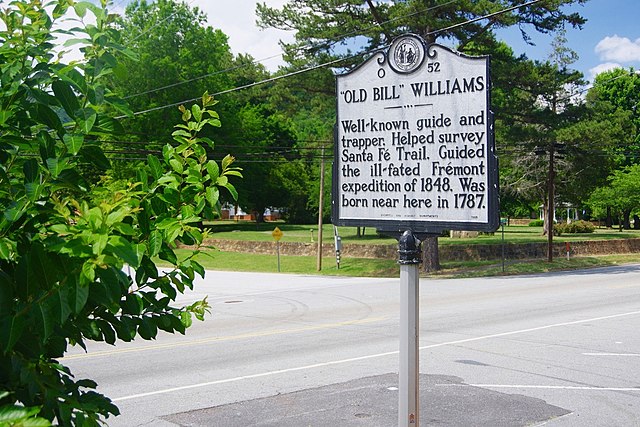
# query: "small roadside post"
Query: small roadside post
277,235
414,155
338,245
503,221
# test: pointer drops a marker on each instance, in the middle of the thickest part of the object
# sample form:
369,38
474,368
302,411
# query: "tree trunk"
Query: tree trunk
636,222
609,223
545,217
627,219
430,257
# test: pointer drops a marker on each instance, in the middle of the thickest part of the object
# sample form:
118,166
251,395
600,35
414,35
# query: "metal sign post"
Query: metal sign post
415,150
277,235
408,388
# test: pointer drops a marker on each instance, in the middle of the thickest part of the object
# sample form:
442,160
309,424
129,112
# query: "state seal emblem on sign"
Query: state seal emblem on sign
406,54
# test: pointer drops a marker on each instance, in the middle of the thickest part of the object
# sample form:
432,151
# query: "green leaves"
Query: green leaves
85,119
20,416
57,165
66,96
11,328
212,195
62,244
213,170
232,190
94,155
129,252
155,243
73,143
196,112
78,251
77,297
5,115
45,115
7,248
14,211
226,162
154,167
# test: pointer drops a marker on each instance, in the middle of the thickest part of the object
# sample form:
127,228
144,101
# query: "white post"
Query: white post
408,384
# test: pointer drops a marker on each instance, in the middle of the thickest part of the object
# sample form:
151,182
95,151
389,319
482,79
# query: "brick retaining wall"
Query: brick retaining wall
446,252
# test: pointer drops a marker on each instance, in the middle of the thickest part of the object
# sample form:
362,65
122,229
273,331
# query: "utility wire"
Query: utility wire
160,22
309,46
215,73
326,64
247,86
480,18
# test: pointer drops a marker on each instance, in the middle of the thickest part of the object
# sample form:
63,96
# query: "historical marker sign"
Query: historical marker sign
414,143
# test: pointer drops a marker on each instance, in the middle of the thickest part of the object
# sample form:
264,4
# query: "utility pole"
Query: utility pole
320,208
550,203
551,186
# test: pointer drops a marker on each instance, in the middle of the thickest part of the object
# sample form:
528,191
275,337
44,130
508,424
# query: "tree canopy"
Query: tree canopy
620,195
175,50
327,29
180,57
617,93
342,33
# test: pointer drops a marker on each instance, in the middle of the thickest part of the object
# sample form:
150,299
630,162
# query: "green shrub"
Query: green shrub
536,223
575,227
65,239
580,227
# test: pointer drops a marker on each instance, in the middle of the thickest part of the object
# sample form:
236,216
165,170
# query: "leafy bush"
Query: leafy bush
573,228
536,223
64,243
19,416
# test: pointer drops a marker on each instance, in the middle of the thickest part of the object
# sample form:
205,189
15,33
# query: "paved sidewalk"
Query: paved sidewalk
373,401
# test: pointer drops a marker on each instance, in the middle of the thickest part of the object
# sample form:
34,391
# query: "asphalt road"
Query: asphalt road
568,341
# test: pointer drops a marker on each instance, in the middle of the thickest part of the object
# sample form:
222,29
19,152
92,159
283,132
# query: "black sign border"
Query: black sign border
396,226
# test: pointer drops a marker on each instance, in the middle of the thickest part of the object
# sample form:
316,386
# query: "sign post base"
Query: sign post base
408,384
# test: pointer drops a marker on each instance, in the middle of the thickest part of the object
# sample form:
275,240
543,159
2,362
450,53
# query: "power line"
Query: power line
247,86
335,61
491,15
160,22
304,47
118,4
247,155
169,86
242,147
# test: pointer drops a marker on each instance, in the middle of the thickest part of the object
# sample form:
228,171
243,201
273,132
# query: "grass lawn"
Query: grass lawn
250,231
512,267
360,267
264,263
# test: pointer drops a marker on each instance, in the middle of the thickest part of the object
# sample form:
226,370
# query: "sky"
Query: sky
610,38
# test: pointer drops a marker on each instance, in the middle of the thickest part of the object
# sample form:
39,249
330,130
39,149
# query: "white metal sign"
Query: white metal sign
414,141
